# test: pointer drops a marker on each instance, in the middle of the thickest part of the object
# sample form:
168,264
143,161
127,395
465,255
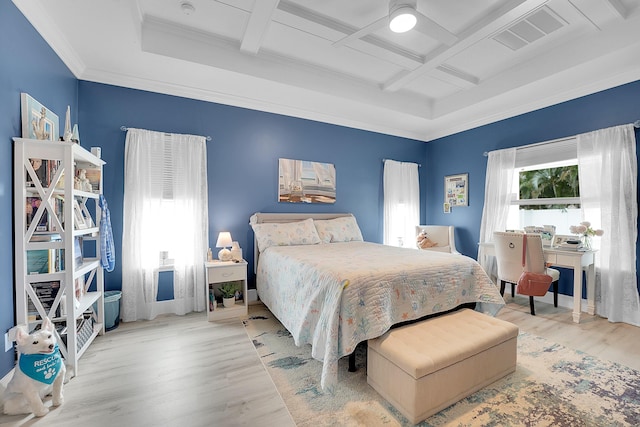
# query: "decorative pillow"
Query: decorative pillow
343,229
285,234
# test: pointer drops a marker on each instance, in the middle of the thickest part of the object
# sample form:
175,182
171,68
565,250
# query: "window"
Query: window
546,192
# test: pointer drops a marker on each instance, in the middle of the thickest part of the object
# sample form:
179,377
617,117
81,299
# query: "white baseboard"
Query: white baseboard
5,380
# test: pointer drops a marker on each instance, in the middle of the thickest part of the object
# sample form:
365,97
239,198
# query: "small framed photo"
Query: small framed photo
38,122
77,250
456,190
78,216
560,240
446,207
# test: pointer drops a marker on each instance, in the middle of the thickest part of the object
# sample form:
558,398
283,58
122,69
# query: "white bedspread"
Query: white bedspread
334,296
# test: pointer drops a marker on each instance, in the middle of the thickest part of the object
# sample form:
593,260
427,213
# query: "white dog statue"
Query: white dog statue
40,370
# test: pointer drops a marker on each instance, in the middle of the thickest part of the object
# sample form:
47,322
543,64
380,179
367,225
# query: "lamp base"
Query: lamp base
224,254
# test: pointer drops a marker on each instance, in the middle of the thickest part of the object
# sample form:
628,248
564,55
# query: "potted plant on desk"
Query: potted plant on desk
228,291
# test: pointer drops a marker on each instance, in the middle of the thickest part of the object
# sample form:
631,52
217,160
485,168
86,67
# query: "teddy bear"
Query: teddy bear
423,241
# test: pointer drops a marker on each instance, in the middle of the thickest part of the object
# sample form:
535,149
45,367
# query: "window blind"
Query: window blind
548,151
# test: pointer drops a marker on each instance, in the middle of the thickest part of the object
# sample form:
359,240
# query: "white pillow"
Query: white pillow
285,234
344,229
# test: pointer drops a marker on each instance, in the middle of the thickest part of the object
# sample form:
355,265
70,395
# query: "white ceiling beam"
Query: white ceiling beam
434,30
371,28
184,43
308,20
456,77
257,26
492,23
620,8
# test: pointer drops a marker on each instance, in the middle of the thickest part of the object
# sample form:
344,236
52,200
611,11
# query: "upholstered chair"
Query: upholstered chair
441,235
508,247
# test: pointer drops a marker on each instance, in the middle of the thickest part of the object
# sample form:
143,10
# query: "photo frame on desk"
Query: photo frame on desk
563,242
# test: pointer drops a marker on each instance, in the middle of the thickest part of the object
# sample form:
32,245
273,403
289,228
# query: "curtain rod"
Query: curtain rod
384,160
124,129
636,125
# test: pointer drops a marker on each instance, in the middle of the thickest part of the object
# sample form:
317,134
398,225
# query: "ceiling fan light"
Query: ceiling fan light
402,19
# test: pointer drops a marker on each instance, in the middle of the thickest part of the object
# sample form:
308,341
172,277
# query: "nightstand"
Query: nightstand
217,273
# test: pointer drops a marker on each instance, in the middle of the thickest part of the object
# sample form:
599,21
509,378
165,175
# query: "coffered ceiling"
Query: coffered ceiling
467,62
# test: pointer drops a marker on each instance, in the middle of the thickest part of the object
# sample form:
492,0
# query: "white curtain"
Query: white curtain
401,203
608,177
498,194
165,209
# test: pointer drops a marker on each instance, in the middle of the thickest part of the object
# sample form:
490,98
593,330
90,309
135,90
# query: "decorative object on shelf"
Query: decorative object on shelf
75,134
78,216
228,291
85,184
456,190
38,122
66,136
224,241
586,233
236,251
302,181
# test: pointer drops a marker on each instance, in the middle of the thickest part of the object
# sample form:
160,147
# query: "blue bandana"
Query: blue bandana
42,367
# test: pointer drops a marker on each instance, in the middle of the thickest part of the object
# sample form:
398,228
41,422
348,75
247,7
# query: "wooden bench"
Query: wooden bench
424,367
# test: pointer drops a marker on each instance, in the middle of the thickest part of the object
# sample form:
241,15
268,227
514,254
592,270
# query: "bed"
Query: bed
333,290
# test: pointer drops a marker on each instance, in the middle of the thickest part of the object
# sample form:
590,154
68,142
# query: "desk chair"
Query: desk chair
508,246
442,235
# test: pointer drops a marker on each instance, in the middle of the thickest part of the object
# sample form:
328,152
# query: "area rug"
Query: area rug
552,386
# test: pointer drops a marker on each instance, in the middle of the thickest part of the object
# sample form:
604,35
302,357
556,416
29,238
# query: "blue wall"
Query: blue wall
242,158
463,152
28,65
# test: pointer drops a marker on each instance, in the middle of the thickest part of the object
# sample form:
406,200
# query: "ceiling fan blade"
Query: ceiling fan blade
433,29
374,26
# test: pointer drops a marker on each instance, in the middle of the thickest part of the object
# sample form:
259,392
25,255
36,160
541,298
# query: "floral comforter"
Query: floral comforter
335,295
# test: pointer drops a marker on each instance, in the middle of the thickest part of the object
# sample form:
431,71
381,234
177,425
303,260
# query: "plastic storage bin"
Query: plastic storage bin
112,309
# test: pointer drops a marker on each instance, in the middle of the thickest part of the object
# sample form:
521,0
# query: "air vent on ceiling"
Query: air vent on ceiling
529,29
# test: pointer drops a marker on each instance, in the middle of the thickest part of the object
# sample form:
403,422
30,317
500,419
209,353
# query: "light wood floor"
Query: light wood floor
185,371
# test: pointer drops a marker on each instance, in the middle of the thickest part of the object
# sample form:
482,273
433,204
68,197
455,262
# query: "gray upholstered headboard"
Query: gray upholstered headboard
262,217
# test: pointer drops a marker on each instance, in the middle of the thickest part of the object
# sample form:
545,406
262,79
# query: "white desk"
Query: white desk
576,260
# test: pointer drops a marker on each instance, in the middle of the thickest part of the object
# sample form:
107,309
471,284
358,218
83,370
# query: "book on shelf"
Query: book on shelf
44,261
46,293
45,170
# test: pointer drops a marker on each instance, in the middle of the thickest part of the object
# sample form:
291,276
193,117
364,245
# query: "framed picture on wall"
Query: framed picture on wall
456,190
38,122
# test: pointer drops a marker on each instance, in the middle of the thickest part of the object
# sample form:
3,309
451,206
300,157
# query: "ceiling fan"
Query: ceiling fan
403,16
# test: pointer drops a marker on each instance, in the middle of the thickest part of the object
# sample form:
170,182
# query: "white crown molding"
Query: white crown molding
38,17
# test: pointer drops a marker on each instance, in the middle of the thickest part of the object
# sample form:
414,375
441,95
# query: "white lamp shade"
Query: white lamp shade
224,240
402,19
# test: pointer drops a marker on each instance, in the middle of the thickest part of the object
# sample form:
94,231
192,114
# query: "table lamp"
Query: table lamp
224,241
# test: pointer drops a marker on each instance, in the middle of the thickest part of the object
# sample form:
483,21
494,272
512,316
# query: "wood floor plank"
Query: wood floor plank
172,371
185,371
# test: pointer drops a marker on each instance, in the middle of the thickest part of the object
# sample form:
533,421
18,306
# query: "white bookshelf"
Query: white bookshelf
56,223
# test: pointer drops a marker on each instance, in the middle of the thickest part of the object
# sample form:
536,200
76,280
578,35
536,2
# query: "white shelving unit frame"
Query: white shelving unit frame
70,156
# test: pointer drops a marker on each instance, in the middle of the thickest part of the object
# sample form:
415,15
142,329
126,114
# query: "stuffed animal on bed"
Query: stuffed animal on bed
423,241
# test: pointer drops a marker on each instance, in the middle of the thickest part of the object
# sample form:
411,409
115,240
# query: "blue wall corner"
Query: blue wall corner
28,65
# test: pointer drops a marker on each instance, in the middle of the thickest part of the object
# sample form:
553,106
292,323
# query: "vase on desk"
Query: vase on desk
587,243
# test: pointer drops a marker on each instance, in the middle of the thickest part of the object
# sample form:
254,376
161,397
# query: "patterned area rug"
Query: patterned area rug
552,386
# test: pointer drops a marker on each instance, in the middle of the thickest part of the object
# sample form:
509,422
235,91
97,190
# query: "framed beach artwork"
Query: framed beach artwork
38,122
302,181
456,190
